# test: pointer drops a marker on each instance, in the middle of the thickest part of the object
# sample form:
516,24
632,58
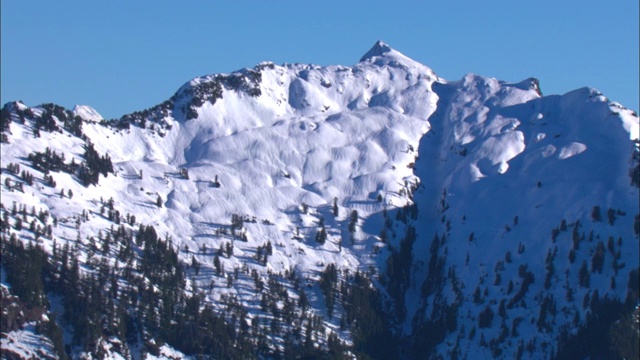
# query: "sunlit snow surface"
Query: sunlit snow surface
492,150
87,113
26,343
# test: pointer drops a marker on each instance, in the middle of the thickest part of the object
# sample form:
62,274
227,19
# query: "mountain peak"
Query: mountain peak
381,54
86,112
379,48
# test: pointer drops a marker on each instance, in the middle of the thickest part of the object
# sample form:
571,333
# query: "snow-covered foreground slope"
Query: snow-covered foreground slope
247,172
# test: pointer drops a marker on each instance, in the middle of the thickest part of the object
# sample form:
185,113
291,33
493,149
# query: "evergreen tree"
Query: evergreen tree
584,276
217,265
321,236
597,261
353,222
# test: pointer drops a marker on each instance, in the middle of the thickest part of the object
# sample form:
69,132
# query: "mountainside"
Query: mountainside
371,211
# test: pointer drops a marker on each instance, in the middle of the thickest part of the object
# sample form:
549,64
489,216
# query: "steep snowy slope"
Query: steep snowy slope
516,179
277,172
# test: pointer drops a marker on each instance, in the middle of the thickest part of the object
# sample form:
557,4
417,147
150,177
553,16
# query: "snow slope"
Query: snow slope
506,167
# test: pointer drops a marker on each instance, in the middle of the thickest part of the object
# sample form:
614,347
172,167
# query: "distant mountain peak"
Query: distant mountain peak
86,112
379,49
381,54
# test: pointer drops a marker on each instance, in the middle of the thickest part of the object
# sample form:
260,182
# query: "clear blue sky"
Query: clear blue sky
122,56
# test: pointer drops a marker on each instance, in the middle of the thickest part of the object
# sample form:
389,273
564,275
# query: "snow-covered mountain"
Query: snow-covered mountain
480,218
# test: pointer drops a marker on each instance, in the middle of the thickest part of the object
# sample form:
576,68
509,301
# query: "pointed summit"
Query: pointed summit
86,112
378,49
381,54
